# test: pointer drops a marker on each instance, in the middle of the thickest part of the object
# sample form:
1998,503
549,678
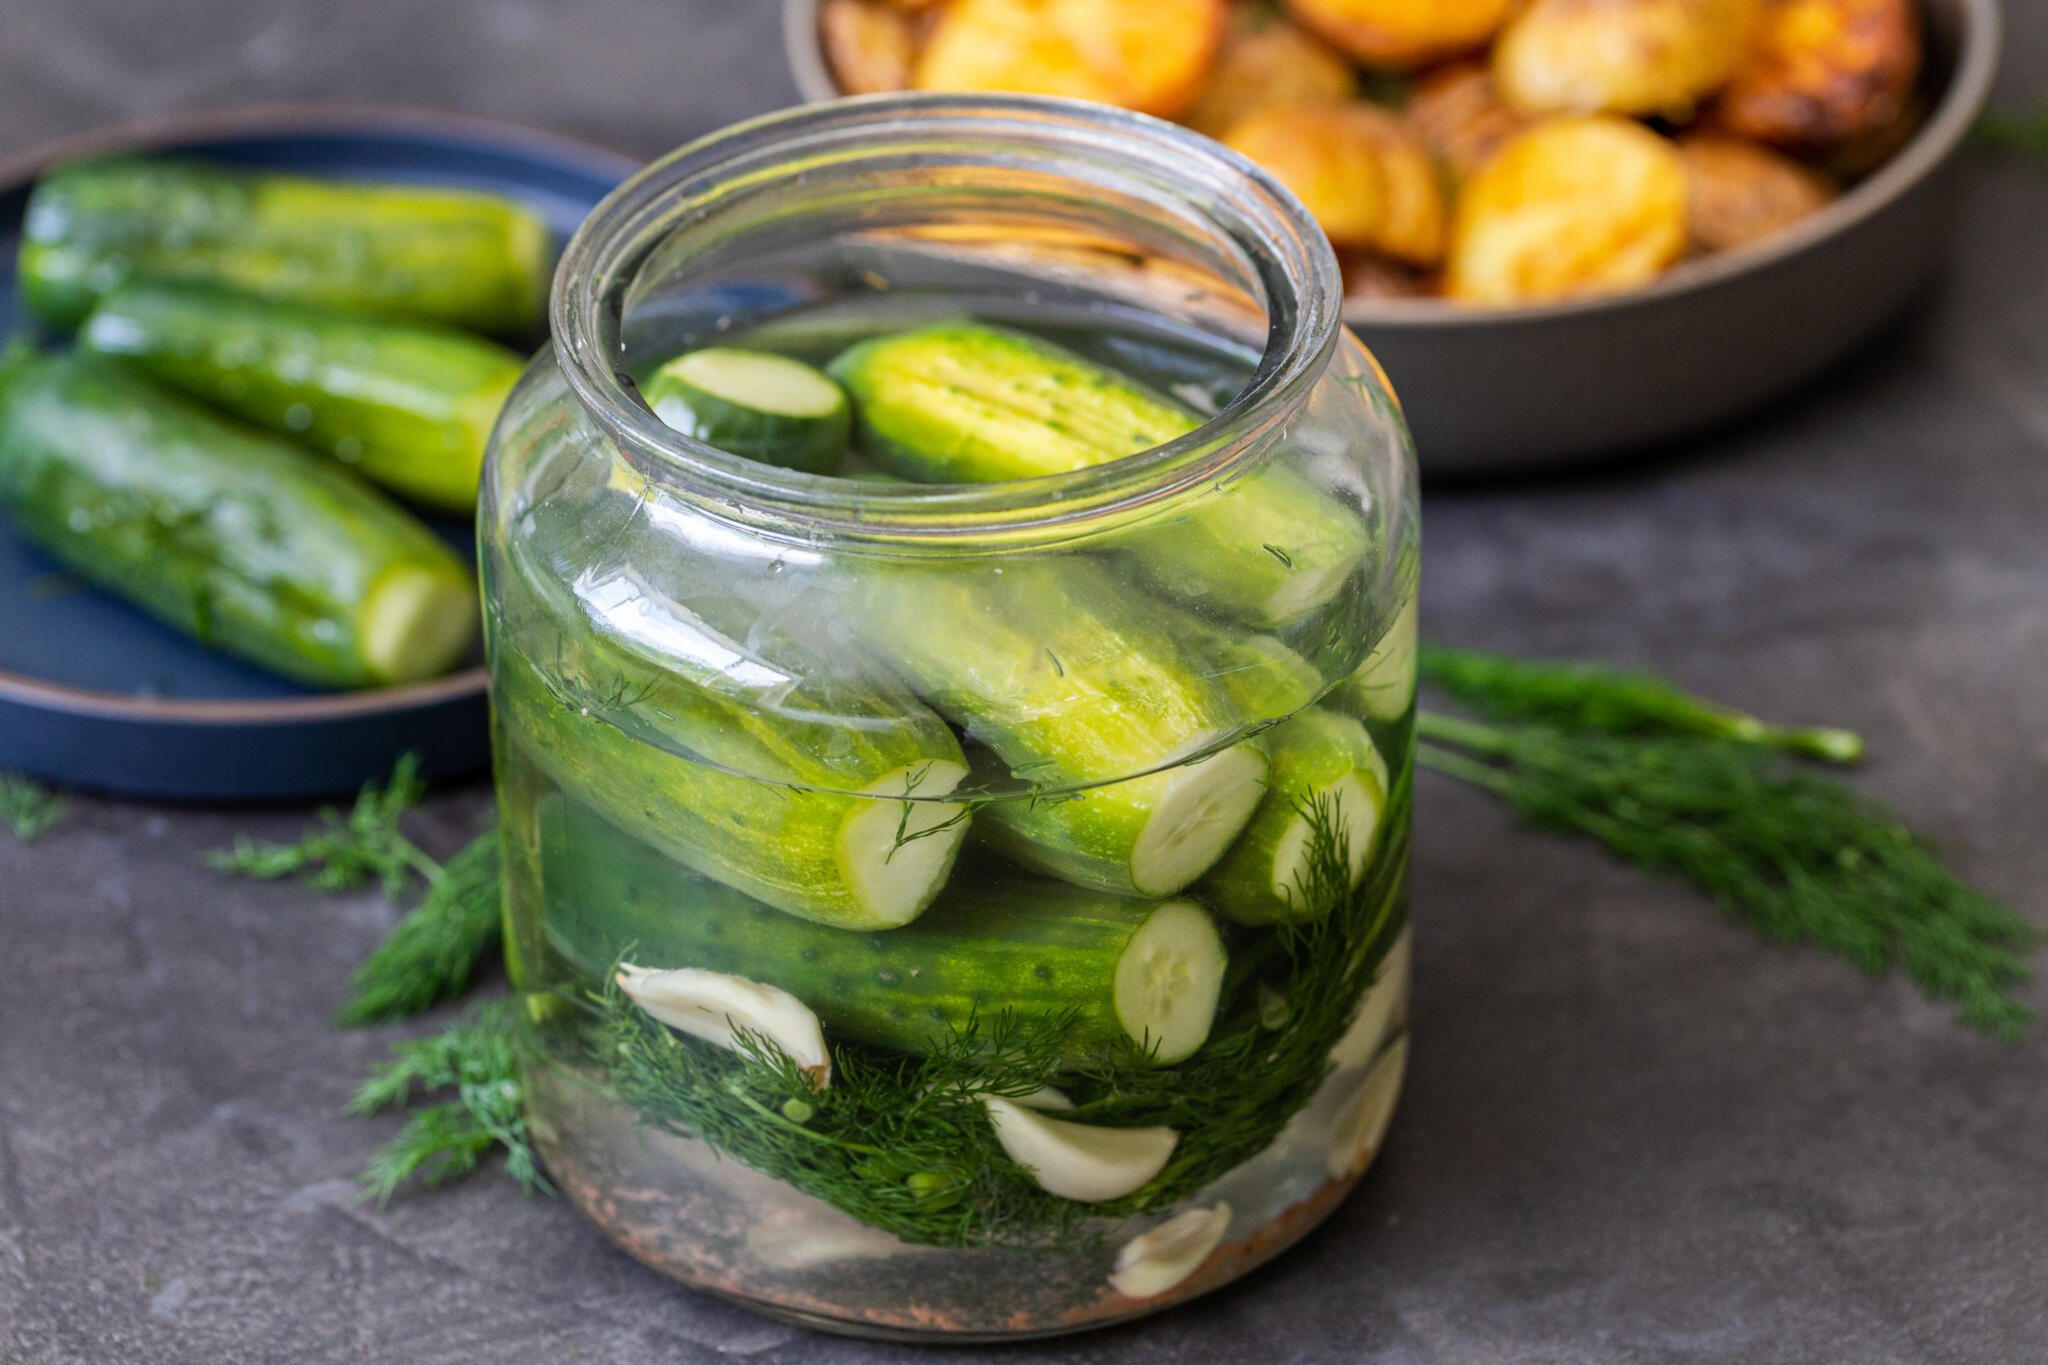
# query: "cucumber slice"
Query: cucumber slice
755,405
1321,762
719,1007
1362,1123
1080,1161
1153,1262
1384,685
1168,980
415,623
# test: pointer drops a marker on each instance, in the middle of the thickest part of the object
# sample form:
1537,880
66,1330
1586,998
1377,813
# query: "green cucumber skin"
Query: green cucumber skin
971,403
1264,679
406,405
1033,948
440,255
816,445
773,834
244,542
1309,753
1044,667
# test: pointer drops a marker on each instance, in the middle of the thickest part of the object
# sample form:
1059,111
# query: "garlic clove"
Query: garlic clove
1153,1262
717,1007
1362,1041
1362,1123
1079,1161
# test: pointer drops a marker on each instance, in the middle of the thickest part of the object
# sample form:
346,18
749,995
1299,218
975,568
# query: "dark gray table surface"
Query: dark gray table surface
1632,1132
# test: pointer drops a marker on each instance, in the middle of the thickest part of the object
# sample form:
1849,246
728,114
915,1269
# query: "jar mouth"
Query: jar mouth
1279,259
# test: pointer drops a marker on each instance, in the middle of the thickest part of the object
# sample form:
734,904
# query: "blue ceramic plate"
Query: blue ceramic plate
95,694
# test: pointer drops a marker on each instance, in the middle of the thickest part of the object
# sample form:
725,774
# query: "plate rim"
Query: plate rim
287,119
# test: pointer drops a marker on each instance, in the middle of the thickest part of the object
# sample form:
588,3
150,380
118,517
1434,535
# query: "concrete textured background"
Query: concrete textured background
1632,1132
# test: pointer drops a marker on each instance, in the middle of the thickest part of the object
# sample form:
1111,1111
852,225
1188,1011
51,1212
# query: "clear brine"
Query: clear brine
1089,867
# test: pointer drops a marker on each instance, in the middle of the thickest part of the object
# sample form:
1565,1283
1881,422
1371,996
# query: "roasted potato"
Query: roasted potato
1360,171
1403,33
1460,117
1737,191
1367,276
868,46
1645,57
1573,206
1263,62
1820,73
1149,55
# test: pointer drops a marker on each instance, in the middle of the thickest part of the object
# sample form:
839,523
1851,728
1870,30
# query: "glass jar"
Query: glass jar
970,909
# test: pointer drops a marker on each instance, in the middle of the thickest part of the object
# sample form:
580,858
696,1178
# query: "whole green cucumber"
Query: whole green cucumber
245,542
780,788
1145,971
407,405
1089,702
963,402
405,251
1327,779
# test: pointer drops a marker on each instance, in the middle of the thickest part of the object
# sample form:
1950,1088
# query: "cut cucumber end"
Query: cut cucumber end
1168,981
896,854
1356,806
755,405
1385,683
1199,809
415,623
1080,1161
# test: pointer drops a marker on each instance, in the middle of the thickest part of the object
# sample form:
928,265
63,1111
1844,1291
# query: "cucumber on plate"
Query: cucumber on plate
964,402
244,542
1086,700
404,251
761,407
1149,972
818,792
408,405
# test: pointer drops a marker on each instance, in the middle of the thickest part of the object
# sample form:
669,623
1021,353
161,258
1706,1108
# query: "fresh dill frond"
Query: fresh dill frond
478,1060
1801,857
432,953
345,851
2000,131
27,808
1576,696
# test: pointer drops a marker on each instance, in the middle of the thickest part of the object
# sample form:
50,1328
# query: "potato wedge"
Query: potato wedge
1739,191
1819,73
1570,207
1149,55
1403,33
1460,116
1265,62
1645,57
1358,168
868,46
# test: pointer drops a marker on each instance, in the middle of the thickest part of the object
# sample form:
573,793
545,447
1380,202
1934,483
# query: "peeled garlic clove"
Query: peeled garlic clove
1361,1042
1154,1262
1362,1123
1079,1160
718,1007
1045,1099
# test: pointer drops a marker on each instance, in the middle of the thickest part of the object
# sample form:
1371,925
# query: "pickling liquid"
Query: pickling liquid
624,844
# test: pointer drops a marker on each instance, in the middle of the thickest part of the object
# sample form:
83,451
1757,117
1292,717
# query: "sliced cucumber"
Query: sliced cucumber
1325,767
755,405
719,1008
1080,1161
1385,683
1167,981
1153,1262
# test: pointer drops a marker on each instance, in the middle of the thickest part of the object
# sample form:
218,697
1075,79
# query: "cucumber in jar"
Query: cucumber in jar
1327,781
756,405
1087,701
1117,968
819,795
404,251
963,402
408,406
242,541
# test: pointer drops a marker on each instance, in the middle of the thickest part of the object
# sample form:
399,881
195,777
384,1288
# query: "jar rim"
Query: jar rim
1297,274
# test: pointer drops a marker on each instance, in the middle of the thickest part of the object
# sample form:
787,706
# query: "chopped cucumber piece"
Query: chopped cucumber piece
1168,980
755,405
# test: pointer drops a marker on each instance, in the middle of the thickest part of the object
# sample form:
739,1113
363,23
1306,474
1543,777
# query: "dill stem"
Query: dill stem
1467,734
1826,743
779,1121
1462,766
418,861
